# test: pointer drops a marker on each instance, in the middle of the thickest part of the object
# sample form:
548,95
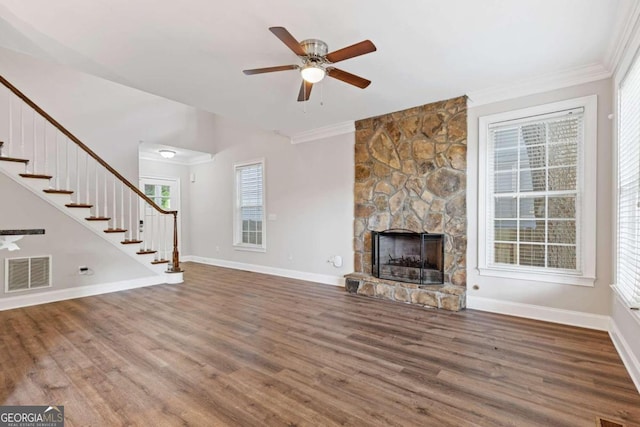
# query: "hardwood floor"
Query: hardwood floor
237,348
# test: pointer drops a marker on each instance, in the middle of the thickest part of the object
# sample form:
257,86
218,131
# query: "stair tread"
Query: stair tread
56,191
160,261
115,230
78,205
130,242
14,159
35,175
98,218
145,252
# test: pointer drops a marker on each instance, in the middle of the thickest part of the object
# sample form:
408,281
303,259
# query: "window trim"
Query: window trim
587,249
237,241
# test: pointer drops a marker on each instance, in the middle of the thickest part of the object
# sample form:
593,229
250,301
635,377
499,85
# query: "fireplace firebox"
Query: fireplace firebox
407,256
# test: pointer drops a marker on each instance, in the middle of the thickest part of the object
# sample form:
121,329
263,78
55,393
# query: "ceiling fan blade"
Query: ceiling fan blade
270,69
305,91
352,79
286,38
352,51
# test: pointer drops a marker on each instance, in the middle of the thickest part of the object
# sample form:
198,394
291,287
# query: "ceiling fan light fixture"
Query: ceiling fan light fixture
167,154
313,73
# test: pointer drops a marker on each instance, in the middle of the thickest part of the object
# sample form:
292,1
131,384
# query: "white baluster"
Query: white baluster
66,165
10,141
46,150
35,150
131,230
115,205
22,132
78,199
164,236
57,173
97,209
106,214
86,176
138,219
122,205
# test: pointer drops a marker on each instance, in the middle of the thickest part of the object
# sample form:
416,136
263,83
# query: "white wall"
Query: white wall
161,169
70,243
109,118
592,300
309,187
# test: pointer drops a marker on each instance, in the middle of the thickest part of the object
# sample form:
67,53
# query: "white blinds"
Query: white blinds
533,197
250,204
628,188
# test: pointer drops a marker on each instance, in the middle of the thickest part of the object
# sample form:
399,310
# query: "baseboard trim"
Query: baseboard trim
628,358
537,312
282,272
19,301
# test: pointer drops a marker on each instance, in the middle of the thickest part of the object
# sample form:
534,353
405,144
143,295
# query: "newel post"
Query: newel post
176,256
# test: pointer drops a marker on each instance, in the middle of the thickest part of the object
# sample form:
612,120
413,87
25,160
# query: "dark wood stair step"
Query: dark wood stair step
78,205
130,242
35,176
160,261
145,252
56,191
14,159
98,218
115,230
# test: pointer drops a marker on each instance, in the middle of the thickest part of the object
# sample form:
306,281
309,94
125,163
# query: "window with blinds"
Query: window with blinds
533,198
628,188
533,191
249,212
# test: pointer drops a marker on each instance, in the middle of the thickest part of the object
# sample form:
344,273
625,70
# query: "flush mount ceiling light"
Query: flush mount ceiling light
167,154
313,73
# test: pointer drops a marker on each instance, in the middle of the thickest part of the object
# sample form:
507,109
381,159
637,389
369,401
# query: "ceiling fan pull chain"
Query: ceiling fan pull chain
322,93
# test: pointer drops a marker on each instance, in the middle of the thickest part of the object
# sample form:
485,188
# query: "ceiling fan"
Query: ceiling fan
317,63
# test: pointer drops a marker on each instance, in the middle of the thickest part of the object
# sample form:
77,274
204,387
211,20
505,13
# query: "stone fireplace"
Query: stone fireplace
410,174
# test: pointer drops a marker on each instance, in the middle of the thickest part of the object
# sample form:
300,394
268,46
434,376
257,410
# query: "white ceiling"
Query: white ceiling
194,51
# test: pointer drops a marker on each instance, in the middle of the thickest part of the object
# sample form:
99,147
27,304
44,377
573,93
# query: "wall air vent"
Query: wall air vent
22,274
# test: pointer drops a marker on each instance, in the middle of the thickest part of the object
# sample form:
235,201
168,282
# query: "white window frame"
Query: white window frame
628,64
237,223
587,185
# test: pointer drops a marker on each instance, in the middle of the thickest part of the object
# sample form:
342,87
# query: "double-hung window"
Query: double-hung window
249,227
537,195
628,188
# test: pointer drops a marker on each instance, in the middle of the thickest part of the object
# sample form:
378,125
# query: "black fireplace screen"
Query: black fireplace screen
406,256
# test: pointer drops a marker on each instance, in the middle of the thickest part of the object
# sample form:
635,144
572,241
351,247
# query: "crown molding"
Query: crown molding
323,132
623,32
539,84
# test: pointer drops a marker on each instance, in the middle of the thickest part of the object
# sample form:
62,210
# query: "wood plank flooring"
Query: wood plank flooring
245,349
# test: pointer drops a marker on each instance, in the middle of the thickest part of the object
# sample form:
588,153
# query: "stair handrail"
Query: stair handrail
175,268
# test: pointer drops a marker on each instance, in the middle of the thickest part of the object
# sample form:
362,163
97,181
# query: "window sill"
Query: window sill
249,248
538,276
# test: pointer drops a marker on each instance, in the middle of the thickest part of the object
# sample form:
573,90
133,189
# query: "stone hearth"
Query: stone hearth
410,174
446,297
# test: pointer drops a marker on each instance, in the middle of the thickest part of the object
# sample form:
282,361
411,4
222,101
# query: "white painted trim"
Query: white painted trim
588,179
628,358
77,292
539,84
537,312
282,272
623,32
323,132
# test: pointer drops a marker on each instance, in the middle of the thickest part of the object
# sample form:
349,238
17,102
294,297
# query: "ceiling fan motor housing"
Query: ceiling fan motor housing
314,48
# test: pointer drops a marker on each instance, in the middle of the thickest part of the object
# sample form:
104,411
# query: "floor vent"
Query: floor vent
601,422
22,274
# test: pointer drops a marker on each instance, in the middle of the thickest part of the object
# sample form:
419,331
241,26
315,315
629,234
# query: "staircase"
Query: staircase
43,156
